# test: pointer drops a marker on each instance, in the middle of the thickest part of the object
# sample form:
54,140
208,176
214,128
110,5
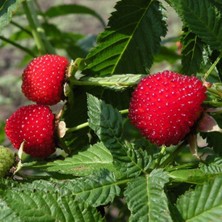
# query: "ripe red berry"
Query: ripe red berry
43,79
165,106
33,124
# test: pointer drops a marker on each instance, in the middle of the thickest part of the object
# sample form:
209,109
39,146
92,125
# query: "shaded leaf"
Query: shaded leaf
192,49
214,140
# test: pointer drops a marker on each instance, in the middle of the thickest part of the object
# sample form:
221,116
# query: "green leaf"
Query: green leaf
204,20
39,206
84,163
204,203
193,176
7,9
213,166
131,39
114,82
61,10
108,125
192,49
146,198
97,189
105,121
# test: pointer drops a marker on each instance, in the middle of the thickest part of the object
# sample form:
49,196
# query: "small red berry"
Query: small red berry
165,106
43,79
33,124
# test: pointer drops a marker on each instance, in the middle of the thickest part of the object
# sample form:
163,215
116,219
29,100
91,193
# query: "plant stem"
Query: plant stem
124,111
38,33
20,27
212,66
86,124
162,152
173,155
81,126
215,92
18,46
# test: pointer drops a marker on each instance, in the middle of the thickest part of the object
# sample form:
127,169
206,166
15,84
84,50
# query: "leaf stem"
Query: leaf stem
124,111
161,154
20,27
173,155
86,124
212,66
76,128
18,46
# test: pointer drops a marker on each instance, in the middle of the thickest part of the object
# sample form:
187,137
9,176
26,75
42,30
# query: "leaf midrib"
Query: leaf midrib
130,38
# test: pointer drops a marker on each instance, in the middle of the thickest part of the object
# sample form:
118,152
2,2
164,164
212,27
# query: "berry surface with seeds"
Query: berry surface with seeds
33,124
43,79
165,106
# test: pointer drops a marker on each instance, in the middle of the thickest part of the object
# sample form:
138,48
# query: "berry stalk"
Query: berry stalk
86,124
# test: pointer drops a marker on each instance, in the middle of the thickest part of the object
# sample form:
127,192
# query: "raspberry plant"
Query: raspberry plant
102,163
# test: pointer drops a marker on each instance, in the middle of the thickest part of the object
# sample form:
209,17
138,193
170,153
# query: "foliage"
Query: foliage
102,162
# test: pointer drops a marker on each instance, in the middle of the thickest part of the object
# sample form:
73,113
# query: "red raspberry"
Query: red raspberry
43,79
165,106
33,124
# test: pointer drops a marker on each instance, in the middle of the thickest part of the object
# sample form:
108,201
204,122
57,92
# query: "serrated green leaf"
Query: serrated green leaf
39,206
67,9
7,9
146,198
204,203
115,82
212,166
98,189
131,39
204,20
105,121
192,49
108,125
84,163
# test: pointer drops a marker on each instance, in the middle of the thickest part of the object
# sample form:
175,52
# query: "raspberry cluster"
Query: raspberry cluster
42,82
